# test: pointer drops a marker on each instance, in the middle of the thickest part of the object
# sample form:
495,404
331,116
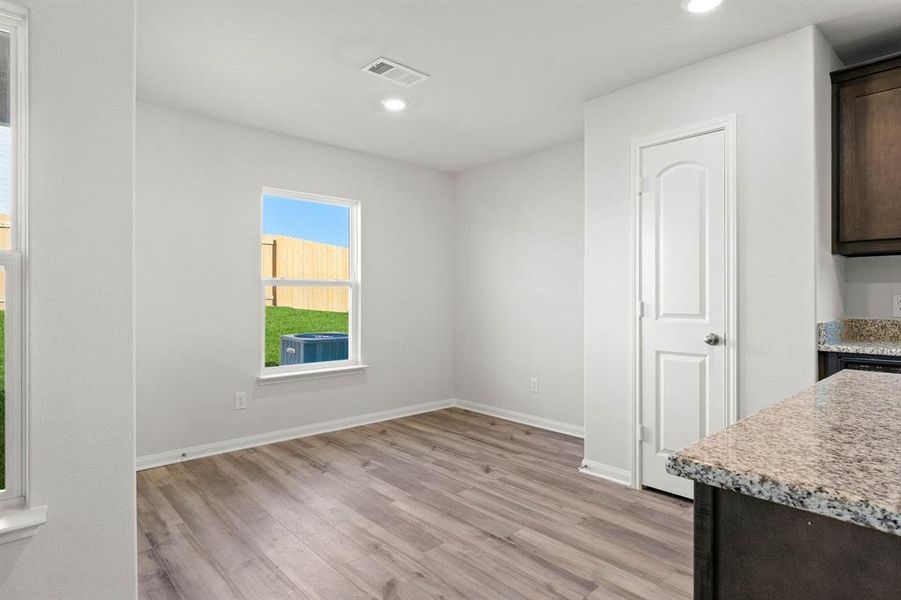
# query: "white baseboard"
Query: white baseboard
524,418
602,471
148,461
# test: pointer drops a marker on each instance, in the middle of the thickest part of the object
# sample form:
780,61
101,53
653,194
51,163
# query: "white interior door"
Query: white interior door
683,290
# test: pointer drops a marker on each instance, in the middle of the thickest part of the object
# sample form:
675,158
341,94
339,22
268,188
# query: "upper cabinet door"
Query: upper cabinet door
867,159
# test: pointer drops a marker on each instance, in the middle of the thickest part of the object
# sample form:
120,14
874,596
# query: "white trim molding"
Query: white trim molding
313,374
523,418
149,461
18,524
14,498
606,472
726,124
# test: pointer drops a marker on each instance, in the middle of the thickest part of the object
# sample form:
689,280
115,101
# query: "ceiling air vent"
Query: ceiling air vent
394,72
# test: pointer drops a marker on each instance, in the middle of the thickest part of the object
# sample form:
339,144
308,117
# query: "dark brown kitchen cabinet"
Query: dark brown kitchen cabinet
830,363
866,158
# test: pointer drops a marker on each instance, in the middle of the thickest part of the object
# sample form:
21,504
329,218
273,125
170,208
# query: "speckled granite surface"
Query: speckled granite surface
878,348
860,336
833,449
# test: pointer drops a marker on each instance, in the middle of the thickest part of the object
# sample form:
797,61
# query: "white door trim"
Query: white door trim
726,124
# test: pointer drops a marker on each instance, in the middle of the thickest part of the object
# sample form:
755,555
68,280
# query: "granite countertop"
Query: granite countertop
834,449
860,336
882,348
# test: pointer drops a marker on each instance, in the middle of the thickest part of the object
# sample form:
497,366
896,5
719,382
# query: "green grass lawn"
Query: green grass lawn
283,320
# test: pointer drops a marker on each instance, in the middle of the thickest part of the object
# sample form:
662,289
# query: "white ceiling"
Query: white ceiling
507,77
864,35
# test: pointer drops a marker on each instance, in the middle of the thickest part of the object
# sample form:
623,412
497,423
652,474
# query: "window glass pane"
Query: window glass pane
306,324
305,240
5,147
2,378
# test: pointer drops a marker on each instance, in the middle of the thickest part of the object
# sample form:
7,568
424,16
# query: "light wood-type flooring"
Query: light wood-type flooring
449,504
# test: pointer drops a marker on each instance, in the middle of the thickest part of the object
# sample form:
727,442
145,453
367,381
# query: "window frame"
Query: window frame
354,362
15,491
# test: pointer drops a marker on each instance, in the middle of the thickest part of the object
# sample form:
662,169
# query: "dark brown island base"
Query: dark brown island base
802,501
747,548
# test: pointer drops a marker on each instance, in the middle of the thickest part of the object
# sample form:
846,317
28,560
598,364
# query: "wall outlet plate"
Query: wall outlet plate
533,385
240,400
896,305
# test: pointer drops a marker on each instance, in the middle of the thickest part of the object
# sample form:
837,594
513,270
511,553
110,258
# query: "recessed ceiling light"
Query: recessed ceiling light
700,6
394,104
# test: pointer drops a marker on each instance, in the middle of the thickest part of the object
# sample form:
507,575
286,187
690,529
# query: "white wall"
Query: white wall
770,87
830,269
81,321
197,266
870,283
518,284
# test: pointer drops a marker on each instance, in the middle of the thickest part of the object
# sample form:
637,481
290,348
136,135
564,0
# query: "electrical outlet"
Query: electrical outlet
533,385
896,305
240,400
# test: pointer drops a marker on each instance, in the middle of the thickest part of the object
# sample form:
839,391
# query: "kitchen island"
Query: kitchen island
803,499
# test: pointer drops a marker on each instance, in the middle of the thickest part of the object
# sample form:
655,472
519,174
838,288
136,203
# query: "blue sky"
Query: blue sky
325,223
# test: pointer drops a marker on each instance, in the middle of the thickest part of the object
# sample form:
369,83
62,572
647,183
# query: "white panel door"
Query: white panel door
683,290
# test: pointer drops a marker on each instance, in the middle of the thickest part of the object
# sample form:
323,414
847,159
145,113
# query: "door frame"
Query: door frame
726,124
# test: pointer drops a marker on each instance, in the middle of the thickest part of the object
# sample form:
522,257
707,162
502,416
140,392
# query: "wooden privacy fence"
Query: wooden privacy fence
292,258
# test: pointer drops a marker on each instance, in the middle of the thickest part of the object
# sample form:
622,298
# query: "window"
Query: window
12,281
310,284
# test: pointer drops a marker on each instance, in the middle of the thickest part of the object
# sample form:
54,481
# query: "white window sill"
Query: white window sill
20,523
312,374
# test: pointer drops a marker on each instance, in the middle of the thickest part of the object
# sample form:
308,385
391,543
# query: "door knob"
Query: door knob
711,339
